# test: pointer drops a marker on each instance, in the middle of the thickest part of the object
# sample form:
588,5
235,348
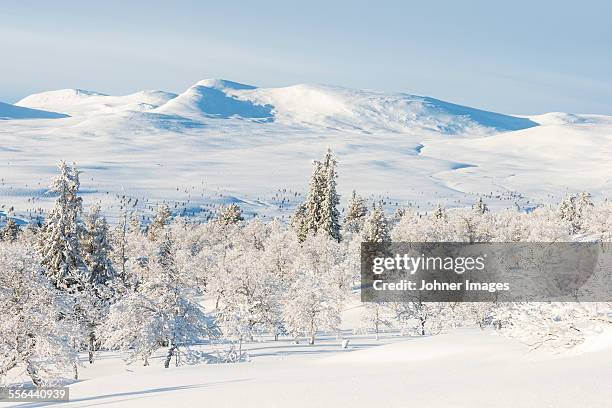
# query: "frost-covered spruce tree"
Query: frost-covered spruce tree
355,214
584,208
97,294
439,228
298,222
319,213
11,231
574,209
584,204
480,207
312,206
59,239
307,216
439,213
375,230
230,214
376,227
32,335
96,247
60,251
163,309
568,212
330,215
314,299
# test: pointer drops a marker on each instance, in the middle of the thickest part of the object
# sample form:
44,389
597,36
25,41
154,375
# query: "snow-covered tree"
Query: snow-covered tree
120,241
59,245
375,317
318,288
280,248
480,207
163,309
416,316
376,226
97,294
161,220
230,214
299,221
96,247
471,226
59,239
250,300
375,230
598,223
439,213
355,214
11,231
319,213
32,334
407,229
574,209
542,225
330,215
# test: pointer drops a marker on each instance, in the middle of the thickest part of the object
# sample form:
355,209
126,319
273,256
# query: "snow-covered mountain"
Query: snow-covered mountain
223,141
334,108
80,102
329,107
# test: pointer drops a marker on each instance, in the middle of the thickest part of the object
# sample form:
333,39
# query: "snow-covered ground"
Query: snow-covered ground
220,142
464,368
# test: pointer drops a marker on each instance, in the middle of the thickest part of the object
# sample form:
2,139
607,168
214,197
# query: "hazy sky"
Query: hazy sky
509,56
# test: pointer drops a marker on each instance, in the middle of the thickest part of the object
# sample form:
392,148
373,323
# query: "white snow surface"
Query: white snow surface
464,368
221,141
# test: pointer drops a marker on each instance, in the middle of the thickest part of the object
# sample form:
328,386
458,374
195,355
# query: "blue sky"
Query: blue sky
514,57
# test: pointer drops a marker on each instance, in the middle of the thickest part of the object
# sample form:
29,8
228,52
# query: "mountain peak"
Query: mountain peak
223,84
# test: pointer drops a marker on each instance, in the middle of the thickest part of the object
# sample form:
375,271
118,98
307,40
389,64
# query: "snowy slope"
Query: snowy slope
8,111
221,141
566,152
216,98
462,369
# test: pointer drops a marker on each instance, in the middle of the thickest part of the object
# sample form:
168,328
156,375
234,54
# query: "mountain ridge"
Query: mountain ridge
302,105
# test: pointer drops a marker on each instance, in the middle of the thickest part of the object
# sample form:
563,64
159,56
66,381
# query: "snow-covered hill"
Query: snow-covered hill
222,141
81,102
335,108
